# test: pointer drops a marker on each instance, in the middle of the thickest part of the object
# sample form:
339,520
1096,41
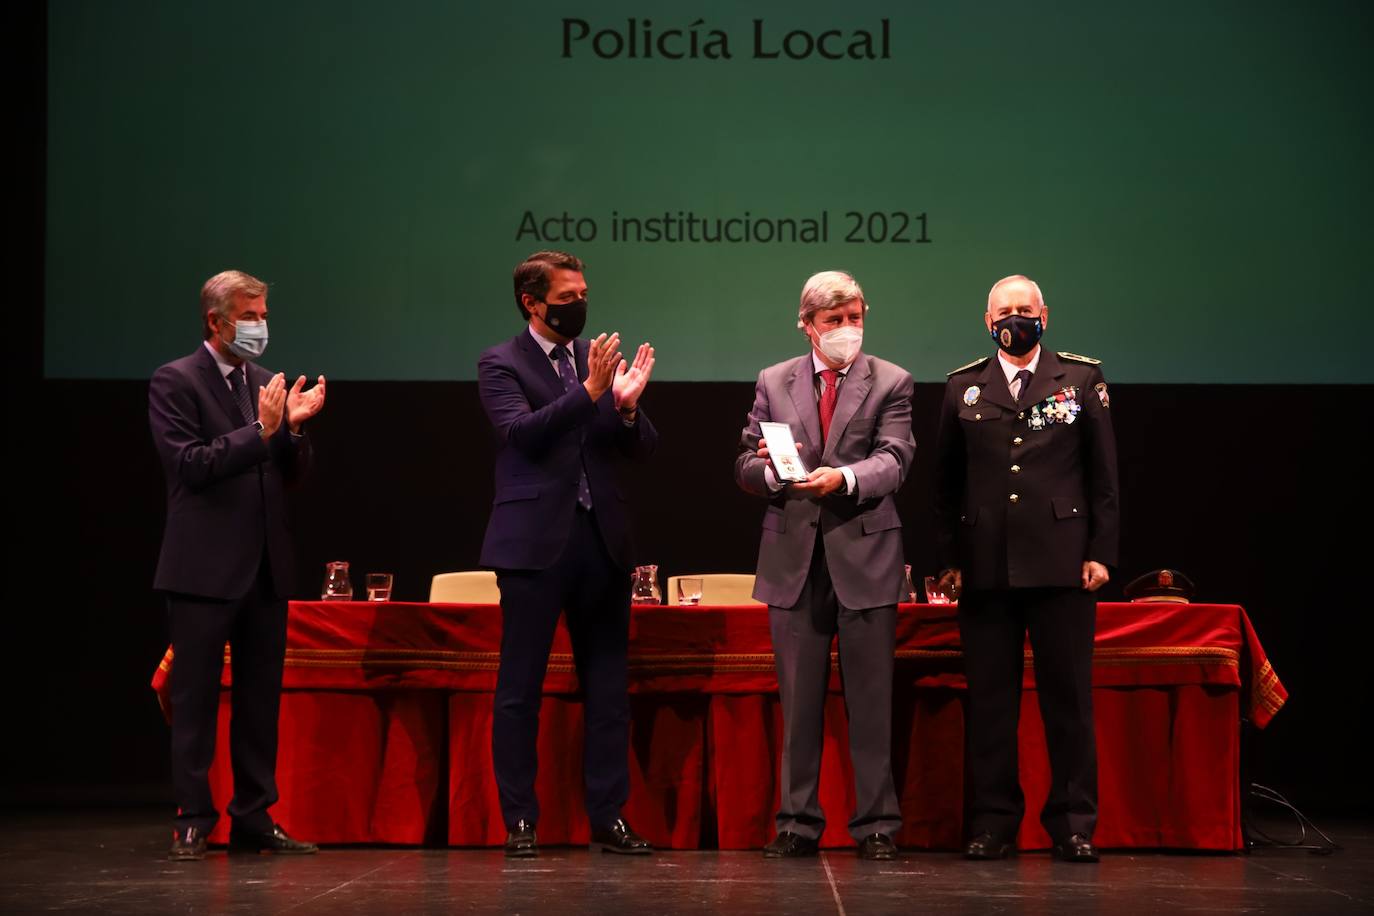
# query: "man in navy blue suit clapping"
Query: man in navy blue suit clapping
566,413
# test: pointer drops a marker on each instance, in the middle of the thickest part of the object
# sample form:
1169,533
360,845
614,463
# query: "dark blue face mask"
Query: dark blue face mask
567,318
1017,334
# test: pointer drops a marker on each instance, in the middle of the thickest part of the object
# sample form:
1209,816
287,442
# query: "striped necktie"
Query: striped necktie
240,389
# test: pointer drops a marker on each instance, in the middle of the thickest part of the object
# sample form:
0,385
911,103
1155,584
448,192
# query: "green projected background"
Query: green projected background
1190,182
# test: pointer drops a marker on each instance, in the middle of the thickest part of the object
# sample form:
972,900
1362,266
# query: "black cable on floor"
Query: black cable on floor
1258,839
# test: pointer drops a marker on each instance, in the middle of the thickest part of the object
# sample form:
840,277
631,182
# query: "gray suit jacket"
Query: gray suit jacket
870,433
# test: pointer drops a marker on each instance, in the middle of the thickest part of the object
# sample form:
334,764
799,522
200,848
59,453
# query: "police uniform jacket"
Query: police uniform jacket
1026,488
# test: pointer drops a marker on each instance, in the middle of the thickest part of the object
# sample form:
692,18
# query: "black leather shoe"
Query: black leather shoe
188,845
986,846
878,847
789,845
275,841
1077,848
520,841
619,838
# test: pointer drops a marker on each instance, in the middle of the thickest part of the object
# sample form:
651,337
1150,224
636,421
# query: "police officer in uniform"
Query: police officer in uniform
1028,525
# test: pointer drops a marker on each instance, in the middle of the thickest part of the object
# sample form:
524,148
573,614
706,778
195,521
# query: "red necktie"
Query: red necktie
830,378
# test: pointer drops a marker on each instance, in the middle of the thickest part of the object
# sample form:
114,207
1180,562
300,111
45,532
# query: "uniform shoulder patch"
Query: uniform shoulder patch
1074,357
967,366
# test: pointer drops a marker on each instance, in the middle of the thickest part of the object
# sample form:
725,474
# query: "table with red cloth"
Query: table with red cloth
385,733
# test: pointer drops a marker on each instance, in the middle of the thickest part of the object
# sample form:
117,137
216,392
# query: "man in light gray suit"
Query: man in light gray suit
830,559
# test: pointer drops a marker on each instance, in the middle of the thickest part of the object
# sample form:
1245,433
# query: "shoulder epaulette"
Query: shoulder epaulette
1079,359
973,365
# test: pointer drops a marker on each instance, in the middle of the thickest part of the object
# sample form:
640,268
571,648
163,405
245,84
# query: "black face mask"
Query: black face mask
1017,334
567,318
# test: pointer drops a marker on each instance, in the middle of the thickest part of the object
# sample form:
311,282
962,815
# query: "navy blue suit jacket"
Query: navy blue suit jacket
226,499
546,436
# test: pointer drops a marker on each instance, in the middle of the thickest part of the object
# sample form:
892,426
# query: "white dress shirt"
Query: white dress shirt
1010,369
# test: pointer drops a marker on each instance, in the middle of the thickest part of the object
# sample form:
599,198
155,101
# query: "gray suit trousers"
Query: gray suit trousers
802,637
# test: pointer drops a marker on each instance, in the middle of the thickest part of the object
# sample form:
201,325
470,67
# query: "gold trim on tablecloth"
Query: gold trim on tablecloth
736,662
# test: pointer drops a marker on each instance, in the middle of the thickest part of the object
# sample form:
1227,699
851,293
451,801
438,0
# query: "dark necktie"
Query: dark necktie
568,374
1024,377
240,389
830,379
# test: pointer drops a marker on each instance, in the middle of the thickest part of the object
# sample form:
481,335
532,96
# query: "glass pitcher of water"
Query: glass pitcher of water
337,586
644,586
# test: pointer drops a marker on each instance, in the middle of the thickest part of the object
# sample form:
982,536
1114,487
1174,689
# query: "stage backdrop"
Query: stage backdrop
1180,178
1187,181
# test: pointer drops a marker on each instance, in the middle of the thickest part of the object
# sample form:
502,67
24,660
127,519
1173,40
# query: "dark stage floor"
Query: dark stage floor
112,862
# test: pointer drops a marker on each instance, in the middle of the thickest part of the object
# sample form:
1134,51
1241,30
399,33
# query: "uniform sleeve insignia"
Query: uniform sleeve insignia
967,366
1101,389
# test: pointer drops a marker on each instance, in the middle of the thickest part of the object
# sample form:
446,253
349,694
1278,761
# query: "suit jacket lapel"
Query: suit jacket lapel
580,349
802,390
992,384
219,387
1048,378
855,387
541,369
258,376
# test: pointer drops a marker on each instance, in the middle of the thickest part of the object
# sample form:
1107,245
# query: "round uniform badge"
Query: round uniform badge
971,395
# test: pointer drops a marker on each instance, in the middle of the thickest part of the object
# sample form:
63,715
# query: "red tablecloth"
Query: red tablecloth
386,727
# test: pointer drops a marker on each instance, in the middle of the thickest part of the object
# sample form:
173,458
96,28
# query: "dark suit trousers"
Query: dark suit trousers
255,628
802,636
595,593
993,627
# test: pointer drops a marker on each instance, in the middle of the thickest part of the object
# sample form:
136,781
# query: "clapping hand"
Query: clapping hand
630,380
602,359
301,405
271,403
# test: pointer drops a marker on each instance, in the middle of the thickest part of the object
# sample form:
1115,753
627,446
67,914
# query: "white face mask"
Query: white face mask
842,344
250,339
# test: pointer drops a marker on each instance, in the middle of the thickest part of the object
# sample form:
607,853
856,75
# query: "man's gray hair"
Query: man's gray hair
827,290
218,293
1013,278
